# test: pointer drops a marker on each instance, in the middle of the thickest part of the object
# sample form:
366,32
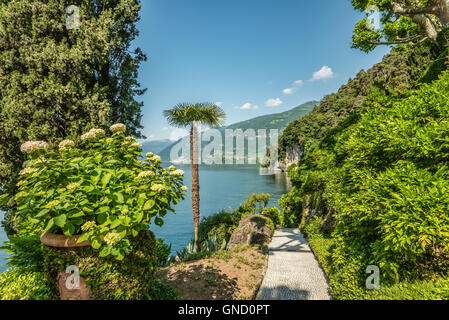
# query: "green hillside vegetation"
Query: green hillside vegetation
398,72
275,120
271,121
373,189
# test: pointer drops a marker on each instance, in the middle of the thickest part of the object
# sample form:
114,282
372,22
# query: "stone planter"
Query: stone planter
62,241
105,278
71,286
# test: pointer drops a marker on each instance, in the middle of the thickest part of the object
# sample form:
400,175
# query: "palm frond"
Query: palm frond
185,114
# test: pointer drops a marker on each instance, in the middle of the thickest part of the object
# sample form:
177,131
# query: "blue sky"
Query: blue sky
255,57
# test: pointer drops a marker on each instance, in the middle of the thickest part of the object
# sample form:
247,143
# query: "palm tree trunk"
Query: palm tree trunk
195,181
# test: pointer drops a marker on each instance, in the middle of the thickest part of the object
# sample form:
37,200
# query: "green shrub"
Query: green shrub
107,279
221,224
160,291
275,215
207,246
347,280
162,252
412,290
292,206
97,189
256,202
18,284
25,253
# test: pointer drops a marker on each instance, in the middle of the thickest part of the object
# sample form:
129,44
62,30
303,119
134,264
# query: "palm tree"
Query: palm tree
187,115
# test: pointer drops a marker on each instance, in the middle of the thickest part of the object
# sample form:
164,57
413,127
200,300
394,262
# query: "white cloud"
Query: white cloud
246,106
219,103
273,102
165,128
296,84
324,73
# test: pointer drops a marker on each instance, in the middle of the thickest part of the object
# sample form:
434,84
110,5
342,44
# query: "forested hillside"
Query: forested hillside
372,186
398,72
276,120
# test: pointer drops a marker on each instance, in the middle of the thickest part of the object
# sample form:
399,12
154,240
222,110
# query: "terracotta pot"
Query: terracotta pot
62,241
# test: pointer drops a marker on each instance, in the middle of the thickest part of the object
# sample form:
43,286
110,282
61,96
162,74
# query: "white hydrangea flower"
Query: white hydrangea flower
32,146
136,144
93,133
145,174
112,238
177,172
149,155
157,187
89,224
66,143
171,168
155,159
118,127
98,132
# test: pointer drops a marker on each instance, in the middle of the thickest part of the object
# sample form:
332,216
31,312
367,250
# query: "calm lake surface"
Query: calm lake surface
219,188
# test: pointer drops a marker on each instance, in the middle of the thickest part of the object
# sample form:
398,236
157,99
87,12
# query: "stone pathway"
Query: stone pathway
293,271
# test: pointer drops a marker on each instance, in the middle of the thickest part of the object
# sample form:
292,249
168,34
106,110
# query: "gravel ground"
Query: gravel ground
293,271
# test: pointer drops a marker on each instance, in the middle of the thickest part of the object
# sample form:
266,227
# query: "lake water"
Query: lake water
219,188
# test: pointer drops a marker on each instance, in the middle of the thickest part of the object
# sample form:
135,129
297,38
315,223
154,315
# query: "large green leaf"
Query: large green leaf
106,178
149,204
60,220
96,242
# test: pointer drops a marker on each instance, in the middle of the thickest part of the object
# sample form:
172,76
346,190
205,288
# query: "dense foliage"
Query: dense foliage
98,190
380,180
18,284
57,82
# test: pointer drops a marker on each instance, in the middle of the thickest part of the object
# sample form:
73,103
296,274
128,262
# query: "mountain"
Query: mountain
270,121
155,146
275,120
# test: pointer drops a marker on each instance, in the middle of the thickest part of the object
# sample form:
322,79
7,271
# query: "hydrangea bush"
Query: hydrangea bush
96,188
